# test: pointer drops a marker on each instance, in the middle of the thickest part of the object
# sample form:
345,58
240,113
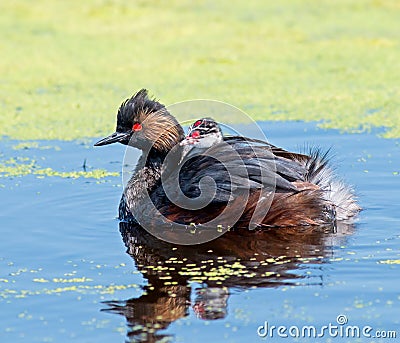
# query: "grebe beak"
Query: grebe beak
113,138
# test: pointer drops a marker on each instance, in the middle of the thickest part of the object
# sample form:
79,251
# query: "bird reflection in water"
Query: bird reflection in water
237,260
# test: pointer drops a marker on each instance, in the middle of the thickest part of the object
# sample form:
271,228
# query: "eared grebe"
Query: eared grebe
305,190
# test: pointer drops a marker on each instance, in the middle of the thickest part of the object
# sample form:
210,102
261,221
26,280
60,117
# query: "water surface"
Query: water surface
70,272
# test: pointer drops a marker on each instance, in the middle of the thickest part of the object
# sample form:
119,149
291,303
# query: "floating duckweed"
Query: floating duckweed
236,265
336,259
390,262
121,329
17,167
40,280
34,145
189,273
216,278
82,279
250,275
266,274
95,174
6,293
270,260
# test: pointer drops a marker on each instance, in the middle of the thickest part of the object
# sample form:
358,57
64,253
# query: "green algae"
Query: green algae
82,289
66,66
22,166
390,262
41,285
24,145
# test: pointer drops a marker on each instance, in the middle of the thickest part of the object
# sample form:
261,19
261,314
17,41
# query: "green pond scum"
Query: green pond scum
21,166
67,65
25,145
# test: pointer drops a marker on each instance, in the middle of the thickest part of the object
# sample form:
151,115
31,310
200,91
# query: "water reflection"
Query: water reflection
236,260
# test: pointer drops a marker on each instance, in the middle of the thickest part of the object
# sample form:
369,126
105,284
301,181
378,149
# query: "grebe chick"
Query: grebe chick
203,133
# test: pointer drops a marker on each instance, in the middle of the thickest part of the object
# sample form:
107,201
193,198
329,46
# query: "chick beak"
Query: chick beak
113,138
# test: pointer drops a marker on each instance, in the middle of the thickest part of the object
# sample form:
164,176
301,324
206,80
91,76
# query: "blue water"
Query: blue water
66,276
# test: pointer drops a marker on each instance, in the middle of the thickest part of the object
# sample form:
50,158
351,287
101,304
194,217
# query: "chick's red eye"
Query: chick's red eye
197,123
195,134
136,127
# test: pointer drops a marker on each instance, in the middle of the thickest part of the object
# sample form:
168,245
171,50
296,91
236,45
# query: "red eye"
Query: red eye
197,123
195,134
136,127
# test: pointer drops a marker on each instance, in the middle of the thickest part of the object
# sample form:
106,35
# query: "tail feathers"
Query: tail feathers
344,199
336,191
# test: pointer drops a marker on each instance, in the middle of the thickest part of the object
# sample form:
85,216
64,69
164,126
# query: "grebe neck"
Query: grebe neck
145,177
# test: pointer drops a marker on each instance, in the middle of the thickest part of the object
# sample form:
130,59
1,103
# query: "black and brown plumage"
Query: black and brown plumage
305,190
